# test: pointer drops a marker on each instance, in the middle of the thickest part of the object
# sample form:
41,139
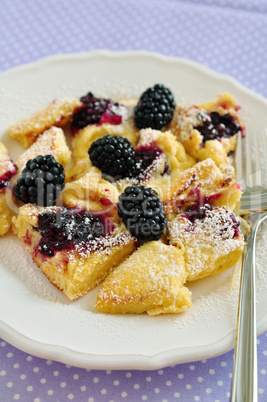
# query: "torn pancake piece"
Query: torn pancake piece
150,280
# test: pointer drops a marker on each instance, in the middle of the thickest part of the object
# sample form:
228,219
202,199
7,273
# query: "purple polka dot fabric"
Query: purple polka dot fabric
229,36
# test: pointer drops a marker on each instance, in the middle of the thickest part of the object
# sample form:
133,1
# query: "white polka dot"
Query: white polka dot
116,382
231,375
70,396
192,368
128,375
200,379
43,381
168,383
108,371
177,395
103,391
204,361
9,354
124,394
49,362
188,386
160,372
220,383
265,352
36,369
2,373
180,376
16,396
211,371
91,399
228,394
3,344
75,376
263,371
83,388
148,379
223,364
56,373
63,384
9,384
156,390
196,398
136,386
208,390
37,400
29,358
144,397
30,388
16,365
50,392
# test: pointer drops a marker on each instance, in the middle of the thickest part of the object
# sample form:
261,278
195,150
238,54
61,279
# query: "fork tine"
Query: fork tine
258,177
238,159
248,163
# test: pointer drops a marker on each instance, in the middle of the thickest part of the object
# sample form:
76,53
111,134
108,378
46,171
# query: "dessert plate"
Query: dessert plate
38,318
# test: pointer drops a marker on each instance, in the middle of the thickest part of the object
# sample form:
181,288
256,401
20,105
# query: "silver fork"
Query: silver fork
252,174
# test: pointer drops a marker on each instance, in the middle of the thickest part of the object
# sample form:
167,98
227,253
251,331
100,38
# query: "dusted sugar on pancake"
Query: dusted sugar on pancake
210,238
51,142
7,170
73,248
203,183
58,113
150,280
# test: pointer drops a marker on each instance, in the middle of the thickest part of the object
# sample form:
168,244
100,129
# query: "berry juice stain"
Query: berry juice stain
216,126
64,229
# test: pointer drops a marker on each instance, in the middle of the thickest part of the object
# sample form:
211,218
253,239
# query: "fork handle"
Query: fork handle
245,378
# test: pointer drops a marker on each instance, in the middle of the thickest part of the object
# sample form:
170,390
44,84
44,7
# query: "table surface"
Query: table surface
229,36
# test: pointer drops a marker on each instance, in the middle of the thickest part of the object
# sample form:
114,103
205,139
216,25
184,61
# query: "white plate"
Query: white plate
35,316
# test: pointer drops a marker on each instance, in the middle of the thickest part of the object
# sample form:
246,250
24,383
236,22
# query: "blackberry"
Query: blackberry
155,108
97,111
142,212
216,126
113,155
65,228
41,181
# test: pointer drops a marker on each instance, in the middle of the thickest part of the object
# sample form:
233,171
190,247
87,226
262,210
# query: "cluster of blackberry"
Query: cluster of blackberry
64,228
41,181
142,212
113,155
155,108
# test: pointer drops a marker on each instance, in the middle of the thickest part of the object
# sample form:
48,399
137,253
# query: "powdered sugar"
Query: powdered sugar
185,120
51,142
205,240
148,136
210,295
